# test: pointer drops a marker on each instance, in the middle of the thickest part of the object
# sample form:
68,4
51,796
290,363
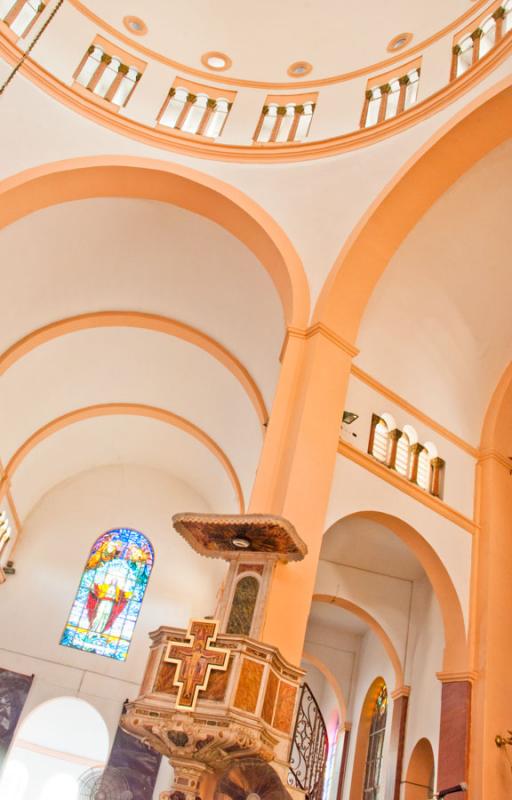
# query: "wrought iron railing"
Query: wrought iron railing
308,753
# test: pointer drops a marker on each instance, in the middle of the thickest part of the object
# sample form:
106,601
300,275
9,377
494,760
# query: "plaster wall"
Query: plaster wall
50,558
353,486
425,658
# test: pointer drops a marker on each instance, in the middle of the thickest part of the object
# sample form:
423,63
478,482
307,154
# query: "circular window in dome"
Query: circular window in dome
216,61
135,25
299,69
399,41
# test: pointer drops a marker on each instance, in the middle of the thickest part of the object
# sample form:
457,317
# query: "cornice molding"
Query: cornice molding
457,677
489,454
401,691
289,152
323,330
399,482
373,383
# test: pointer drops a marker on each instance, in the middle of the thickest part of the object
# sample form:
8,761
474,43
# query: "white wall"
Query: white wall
50,557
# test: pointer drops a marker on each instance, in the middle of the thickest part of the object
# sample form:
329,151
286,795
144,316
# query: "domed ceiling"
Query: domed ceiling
263,39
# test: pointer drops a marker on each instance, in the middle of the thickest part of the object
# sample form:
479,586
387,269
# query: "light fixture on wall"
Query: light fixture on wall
216,60
349,417
29,49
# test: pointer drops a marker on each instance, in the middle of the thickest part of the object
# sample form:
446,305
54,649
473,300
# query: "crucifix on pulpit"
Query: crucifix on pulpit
195,661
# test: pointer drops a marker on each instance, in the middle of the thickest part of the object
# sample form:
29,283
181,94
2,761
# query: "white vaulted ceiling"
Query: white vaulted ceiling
147,258
264,38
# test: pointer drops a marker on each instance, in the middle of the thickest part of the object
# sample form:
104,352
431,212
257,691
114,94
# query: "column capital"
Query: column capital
457,677
320,329
401,691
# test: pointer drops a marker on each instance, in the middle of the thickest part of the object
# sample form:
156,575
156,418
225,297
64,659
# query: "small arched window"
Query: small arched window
243,606
110,594
403,451
376,737
428,452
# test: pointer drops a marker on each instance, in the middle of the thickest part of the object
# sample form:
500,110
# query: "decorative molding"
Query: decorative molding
401,691
457,677
402,483
488,454
144,321
107,409
287,152
324,330
373,383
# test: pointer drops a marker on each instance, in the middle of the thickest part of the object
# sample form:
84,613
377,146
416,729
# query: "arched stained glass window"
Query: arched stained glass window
110,594
375,745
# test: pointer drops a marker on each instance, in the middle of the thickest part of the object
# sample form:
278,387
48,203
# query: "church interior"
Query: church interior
256,400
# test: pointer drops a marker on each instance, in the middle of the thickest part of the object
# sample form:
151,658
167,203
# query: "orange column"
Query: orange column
397,742
491,776
296,468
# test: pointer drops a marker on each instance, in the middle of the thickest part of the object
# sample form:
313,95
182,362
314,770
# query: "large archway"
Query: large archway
456,648
485,124
131,177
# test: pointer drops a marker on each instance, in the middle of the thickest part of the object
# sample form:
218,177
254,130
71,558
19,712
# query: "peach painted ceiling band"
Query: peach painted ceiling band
151,179
116,409
145,321
95,109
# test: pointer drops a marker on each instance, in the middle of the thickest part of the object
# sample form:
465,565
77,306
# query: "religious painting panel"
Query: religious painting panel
110,594
14,689
138,763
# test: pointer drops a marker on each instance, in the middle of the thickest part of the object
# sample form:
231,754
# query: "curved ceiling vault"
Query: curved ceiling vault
154,313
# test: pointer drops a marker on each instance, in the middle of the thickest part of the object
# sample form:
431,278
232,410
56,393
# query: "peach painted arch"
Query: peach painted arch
496,433
482,126
131,409
375,626
151,179
145,321
331,680
456,648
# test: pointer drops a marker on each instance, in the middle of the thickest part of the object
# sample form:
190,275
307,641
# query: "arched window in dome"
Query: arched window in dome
195,109
473,44
109,73
403,451
395,94
110,594
373,768
20,15
285,119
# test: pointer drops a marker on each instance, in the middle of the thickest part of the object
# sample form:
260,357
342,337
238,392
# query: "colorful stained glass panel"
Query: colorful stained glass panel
110,594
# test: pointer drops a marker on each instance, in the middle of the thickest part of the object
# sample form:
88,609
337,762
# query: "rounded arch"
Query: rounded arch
419,781
363,733
375,626
59,720
107,409
151,179
496,430
455,653
480,127
145,321
331,680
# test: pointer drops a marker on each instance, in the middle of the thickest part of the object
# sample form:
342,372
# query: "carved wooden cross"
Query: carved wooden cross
196,660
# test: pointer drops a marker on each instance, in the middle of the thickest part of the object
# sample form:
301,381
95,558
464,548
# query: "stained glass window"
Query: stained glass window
375,745
110,594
